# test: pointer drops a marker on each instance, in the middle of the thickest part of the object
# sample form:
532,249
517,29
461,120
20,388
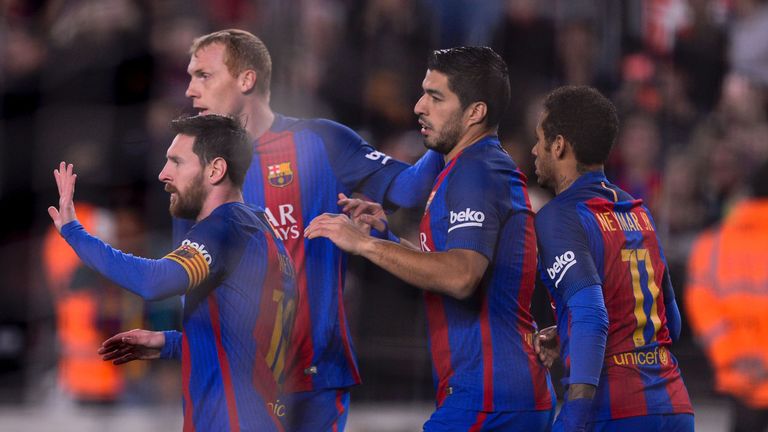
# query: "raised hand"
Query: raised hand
136,344
365,214
65,182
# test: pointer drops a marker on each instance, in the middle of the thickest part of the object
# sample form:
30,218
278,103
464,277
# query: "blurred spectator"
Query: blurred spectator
637,169
700,54
89,308
748,49
371,79
525,39
726,299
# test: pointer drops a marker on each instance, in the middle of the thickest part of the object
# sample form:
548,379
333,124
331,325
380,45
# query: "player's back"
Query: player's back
237,321
640,375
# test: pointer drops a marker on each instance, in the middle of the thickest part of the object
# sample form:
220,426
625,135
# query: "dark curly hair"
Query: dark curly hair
585,118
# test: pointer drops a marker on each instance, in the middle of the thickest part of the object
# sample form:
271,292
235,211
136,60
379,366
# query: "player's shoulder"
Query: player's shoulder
329,129
558,207
555,215
489,162
229,217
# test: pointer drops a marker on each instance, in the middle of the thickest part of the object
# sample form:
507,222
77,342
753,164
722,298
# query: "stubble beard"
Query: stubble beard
189,205
448,137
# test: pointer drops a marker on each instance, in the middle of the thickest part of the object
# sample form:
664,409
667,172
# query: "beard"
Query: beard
544,174
447,139
189,204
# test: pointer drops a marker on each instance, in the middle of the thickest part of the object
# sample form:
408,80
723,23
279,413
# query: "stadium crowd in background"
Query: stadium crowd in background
98,81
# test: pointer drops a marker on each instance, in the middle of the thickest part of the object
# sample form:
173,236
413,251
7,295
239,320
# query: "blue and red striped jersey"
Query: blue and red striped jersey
299,167
595,233
482,353
240,294
238,313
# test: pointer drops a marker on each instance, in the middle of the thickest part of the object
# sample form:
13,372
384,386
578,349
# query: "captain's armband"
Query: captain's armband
194,263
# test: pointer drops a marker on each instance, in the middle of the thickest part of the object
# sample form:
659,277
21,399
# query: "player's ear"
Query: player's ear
247,80
558,147
217,171
476,113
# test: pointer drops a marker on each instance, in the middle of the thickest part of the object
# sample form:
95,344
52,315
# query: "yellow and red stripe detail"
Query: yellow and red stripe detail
193,262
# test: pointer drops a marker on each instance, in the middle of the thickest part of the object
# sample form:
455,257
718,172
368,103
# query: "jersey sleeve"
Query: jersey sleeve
203,251
355,162
148,278
411,187
565,258
474,204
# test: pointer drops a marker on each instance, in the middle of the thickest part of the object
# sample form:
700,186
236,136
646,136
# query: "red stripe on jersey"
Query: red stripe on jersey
186,375
263,376
678,394
542,397
478,426
618,292
339,409
438,338
436,319
487,354
625,384
226,373
343,327
276,149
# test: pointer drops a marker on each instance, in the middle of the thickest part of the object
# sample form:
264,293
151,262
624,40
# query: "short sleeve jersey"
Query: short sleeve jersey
298,169
238,313
481,347
594,233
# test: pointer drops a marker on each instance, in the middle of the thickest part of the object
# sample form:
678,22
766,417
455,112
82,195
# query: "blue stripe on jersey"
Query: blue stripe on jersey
237,329
205,384
316,197
253,188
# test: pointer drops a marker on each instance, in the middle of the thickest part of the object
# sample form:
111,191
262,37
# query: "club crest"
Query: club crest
280,175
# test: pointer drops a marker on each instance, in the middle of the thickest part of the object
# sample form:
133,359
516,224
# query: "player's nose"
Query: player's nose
164,175
420,108
191,90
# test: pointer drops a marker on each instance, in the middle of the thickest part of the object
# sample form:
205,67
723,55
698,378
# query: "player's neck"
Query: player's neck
257,117
472,136
570,173
218,196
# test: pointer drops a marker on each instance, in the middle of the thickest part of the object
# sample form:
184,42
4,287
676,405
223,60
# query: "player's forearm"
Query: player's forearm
588,335
150,279
411,187
439,272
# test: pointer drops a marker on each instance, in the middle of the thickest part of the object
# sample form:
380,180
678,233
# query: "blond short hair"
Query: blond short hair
243,51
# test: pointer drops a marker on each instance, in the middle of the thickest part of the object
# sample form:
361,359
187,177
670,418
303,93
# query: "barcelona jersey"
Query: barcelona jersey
238,311
240,291
595,233
299,167
481,347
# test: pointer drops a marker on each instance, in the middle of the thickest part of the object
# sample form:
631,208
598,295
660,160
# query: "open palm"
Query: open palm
65,182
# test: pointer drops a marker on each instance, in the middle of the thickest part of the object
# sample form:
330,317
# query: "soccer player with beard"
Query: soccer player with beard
476,260
234,272
603,264
299,169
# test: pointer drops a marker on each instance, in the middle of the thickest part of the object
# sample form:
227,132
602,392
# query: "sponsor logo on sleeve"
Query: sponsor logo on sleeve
377,155
200,248
561,266
466,218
